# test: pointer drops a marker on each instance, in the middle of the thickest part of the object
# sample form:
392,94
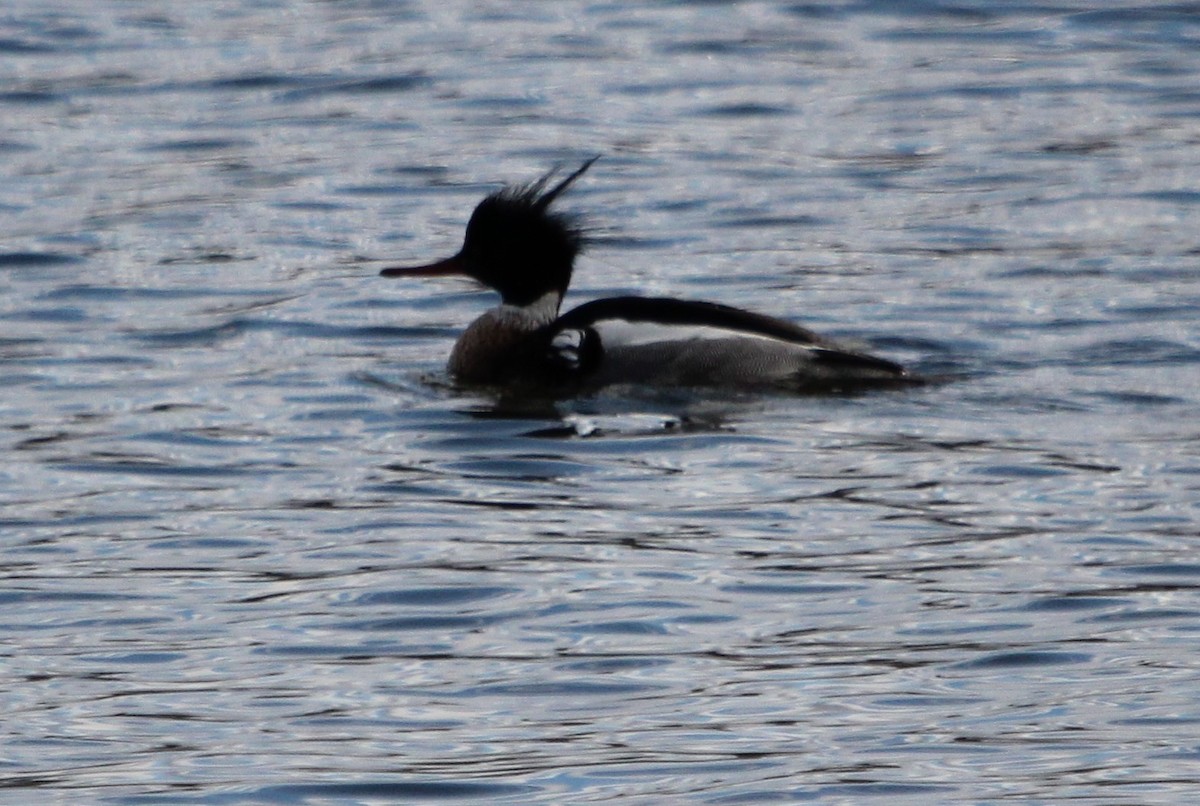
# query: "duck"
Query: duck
519,245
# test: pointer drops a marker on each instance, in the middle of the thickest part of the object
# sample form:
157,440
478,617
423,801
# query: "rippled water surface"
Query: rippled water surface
258,549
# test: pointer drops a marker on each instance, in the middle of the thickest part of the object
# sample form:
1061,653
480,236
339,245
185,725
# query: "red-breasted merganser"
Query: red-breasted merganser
518,246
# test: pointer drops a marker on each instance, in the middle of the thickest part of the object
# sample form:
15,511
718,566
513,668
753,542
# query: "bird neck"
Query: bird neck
542,311
489,344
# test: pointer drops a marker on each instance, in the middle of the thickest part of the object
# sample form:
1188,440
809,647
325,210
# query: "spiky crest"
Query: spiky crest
518,246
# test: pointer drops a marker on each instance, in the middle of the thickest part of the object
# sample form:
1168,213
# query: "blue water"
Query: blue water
258,549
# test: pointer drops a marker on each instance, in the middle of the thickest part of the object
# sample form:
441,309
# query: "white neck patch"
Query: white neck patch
542,311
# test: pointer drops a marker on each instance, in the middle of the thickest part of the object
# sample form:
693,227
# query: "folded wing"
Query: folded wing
688,343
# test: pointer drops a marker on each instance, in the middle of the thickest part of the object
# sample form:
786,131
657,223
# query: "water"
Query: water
258,550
